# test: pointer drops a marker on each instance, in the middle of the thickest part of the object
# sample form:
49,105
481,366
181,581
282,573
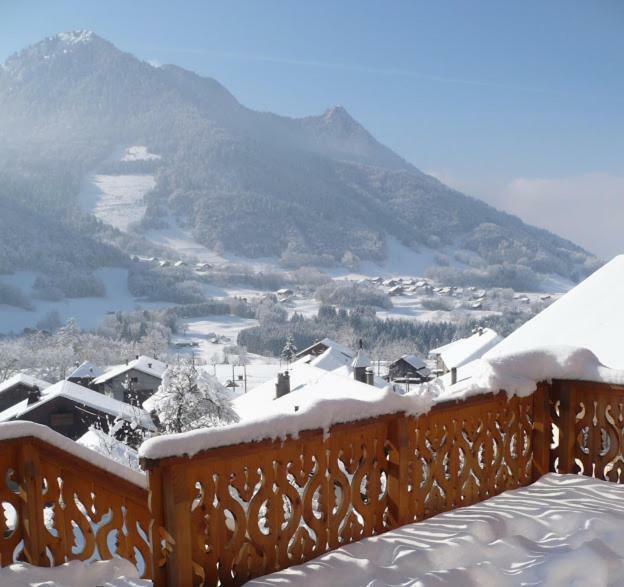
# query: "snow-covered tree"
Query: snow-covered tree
289,352
190,398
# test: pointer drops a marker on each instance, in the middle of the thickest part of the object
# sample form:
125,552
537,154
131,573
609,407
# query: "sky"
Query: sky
518,103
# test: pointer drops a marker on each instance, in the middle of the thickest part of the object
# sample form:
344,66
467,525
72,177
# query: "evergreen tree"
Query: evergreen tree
289,352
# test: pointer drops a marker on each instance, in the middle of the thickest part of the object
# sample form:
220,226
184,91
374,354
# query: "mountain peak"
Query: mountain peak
76,37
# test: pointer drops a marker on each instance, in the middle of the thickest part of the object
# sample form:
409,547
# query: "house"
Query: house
16,388
318,348
84,374
284,294
397,290
132,382
70,410
589,316
179,264
203,266
408,368
465,350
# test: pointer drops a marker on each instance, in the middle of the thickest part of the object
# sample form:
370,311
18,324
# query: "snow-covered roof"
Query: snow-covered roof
590,316
329,343
328,360
81,395
415,362
361,360
308,383
464,350
144,364
23,379
87,369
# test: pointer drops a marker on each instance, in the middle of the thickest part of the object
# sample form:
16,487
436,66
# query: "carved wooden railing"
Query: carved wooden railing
243,511
233,513
588,425
60,507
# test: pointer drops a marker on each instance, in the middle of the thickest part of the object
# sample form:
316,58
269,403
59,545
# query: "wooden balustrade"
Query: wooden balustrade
232,513
243,511
61,507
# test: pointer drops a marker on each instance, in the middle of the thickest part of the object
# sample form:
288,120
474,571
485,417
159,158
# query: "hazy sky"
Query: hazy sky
519,103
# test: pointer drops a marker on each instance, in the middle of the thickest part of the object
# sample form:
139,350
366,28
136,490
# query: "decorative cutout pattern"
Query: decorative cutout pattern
589,419
257,508
69,509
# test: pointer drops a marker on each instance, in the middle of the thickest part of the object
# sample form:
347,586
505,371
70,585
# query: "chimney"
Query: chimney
34,395
360,365
370,377
282,387
136,357
453,375
149,365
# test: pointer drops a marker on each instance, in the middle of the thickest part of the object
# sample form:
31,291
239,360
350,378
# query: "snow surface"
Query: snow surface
116,199
139,153
465,350
9,430
88,312
562,531
111,573
589,316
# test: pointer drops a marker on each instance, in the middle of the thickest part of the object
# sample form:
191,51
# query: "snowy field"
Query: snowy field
88,312
563,530
118,199
213,334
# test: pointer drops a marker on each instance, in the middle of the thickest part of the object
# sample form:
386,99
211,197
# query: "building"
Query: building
85,374
465,350
17,388
319,347
70,410
408,369
132,382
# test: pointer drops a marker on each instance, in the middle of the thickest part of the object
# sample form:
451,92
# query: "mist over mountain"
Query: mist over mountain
314,190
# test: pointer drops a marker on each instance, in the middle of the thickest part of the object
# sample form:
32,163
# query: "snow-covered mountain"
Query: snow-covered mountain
315,190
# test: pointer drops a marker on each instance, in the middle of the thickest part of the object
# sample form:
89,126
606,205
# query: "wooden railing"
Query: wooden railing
59,507
233,513
243,511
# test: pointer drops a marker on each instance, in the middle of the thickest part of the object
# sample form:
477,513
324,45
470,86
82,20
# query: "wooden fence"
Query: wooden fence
233,513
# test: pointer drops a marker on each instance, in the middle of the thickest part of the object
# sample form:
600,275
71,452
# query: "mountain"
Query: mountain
311,190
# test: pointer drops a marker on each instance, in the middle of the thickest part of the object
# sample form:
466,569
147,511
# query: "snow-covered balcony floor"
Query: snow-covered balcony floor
563,530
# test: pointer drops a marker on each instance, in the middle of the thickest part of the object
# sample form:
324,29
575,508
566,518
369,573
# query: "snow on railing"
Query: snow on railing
231,512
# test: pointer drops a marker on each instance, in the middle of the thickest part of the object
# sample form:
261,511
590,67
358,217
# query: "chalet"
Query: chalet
132,382
408,369
376,280
397,290
179,264
284,294
84,374
203,266
391,282
164,263
465,350
16,389
318,348
70,410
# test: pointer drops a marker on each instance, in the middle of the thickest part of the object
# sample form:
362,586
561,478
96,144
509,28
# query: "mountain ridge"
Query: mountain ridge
310,190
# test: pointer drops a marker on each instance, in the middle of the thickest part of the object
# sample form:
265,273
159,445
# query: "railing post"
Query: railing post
31,493
156,507
398,469
567,426
541,437
177,500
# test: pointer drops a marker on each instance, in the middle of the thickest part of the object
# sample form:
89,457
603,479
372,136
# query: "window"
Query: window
61,419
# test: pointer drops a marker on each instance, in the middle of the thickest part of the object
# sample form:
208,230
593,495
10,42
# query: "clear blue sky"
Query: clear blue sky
478,92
